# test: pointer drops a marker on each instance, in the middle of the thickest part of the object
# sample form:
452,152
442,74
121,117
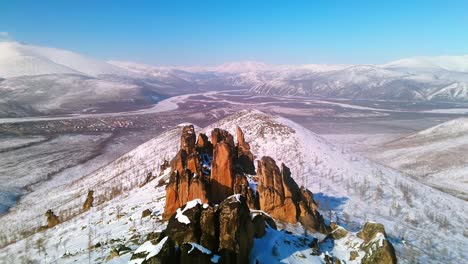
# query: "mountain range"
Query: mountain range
38,80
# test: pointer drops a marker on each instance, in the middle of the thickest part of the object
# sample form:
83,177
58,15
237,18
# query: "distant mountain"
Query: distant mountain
448,63
38,80
422,78
425,78
66,93
17,59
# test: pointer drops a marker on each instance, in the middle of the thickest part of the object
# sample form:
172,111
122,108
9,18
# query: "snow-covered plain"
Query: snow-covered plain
425,225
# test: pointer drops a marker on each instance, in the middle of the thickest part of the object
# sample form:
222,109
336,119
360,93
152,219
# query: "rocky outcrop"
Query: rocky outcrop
89,201
337,232
281,197
236,230
209,228
217,203
158,251
225,231
210,171
149,177
52,219
184,225
377,248
260,222
229,166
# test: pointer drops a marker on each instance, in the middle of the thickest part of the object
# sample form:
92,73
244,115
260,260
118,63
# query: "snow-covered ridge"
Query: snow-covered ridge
452,128
17,59
449,63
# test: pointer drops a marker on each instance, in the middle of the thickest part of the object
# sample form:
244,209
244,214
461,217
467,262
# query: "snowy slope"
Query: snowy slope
62,93
436,155
423,223
17,59
450,63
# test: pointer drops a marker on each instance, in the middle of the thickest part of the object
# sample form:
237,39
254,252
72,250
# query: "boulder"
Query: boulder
337,232
52,219
184,225
149,177
146,213
376,245
89,201
221,172
163,167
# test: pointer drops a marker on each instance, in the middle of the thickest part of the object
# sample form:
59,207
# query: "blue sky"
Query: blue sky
207,32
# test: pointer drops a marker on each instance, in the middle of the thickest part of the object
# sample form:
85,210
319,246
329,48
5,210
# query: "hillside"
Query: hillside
436,155
18,59
350,190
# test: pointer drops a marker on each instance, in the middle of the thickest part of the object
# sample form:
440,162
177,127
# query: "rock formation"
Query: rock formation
221,172
203,232
281,197
376,245
236,230
89,201
52,219
230,164
244,156
216,207
210,171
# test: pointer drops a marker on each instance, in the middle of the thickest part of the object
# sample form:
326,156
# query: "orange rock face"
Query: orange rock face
193,164
192,177
218,135
271,191
204,146
245,157
281,197
241,186
221,172
188,138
